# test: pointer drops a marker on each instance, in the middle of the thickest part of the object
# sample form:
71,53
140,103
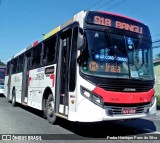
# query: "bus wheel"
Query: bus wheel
44,108
13,98
51,110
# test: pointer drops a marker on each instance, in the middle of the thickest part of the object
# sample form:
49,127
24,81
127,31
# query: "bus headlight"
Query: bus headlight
91,96
87,94
97,100
153,100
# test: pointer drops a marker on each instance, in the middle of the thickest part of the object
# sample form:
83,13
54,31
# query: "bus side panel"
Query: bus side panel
34,90
13,84
18,86
6,86
73,95
49,79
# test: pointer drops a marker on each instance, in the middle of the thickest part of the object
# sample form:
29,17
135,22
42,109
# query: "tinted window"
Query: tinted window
36,56
49,51
15,66
20,63
8,66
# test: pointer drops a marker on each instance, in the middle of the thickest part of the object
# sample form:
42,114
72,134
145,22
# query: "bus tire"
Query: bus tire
44,109
13,98
51,117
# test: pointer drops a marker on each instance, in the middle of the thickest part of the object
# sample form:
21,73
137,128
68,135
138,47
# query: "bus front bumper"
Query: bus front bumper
89,112
1,91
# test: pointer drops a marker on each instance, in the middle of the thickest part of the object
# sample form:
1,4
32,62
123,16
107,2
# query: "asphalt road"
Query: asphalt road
24,120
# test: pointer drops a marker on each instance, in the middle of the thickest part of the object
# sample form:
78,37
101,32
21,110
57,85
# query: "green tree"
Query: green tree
158,56
2,64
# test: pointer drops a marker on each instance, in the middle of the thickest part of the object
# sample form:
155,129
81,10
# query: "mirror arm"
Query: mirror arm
81,41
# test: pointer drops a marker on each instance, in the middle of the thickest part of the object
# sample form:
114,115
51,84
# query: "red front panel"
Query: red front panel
124,97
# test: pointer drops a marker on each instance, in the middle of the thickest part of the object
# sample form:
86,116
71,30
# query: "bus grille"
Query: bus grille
120,86
117,110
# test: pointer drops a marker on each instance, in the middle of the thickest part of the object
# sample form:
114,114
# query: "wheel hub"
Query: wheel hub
51,108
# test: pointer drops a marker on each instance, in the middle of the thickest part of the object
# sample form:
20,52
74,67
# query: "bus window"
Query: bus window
15,65
8,67
36,56
20,63
49,51
29,61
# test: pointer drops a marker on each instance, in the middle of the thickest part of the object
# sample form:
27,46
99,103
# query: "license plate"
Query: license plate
128,110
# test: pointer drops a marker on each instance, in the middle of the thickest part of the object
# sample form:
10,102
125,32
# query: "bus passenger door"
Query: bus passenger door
25,81
62,91
65,70
9,80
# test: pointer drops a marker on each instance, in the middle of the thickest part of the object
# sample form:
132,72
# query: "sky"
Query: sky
24,21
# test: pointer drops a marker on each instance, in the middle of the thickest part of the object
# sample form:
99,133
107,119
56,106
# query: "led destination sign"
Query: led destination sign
120,22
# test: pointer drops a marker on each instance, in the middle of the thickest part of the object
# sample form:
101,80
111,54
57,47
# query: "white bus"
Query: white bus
97,66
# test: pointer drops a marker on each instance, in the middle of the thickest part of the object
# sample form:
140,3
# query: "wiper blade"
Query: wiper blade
112,46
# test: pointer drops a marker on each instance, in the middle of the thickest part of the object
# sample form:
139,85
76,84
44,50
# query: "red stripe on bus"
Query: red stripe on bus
124,97
29,79
35,43
52,77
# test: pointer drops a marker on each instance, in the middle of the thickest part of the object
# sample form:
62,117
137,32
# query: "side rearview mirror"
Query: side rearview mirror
81,41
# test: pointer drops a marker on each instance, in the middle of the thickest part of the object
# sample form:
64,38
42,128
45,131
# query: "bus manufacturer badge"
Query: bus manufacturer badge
129,89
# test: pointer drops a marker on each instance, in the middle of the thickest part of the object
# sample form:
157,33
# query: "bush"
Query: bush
158,101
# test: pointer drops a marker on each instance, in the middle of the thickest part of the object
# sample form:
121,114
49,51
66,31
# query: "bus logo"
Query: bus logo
93,66
129,89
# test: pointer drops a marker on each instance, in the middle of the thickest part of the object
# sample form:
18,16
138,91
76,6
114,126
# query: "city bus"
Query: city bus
97,66
2,76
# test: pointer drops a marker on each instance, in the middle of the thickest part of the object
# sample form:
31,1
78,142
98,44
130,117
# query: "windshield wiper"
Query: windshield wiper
112,46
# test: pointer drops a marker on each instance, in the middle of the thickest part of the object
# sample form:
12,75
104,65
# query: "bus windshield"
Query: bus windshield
119,56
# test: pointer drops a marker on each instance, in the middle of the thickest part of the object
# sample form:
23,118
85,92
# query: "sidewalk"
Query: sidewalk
158,113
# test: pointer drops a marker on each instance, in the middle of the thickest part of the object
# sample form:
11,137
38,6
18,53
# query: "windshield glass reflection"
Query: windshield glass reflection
123,57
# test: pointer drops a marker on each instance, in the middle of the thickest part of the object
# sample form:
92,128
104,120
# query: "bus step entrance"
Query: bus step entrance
24,103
